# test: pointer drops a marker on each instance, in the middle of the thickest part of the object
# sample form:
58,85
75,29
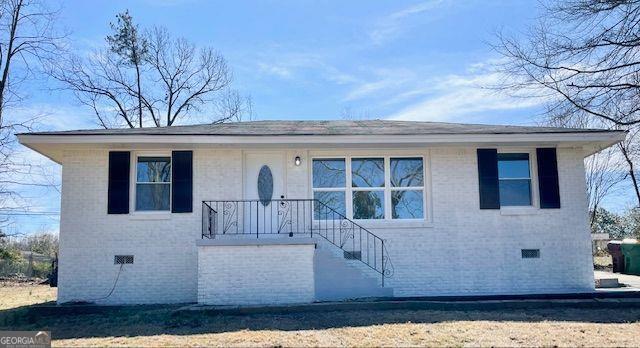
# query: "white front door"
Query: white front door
261,215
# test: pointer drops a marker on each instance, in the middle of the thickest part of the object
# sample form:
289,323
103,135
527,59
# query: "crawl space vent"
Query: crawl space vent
353,255
122,259
530,253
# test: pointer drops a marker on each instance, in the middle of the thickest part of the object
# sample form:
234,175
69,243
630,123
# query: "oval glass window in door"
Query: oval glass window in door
265,185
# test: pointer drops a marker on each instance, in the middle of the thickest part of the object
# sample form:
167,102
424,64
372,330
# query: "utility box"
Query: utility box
631,251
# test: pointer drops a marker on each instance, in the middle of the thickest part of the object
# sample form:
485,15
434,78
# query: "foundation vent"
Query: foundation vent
530,253
122,259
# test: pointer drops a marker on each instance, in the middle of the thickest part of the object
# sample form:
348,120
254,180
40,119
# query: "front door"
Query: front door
263,182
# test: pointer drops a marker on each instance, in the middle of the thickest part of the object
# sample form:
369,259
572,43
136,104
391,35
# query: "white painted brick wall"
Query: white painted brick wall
473,251
464,250
250,275
165,267
467,251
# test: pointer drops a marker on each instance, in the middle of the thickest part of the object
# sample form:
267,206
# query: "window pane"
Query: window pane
334,200
368,204
515,192
407,204
406,172
367,172
153,196
328,173
513,165
154,169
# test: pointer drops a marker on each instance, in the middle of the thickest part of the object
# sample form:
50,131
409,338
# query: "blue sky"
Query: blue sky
304,59
413,60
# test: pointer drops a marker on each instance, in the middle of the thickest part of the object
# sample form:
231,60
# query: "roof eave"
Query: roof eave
597,140
613,136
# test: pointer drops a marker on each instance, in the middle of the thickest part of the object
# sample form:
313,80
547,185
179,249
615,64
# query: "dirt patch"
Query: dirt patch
21,281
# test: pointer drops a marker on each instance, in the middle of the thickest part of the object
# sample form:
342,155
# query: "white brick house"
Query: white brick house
298,211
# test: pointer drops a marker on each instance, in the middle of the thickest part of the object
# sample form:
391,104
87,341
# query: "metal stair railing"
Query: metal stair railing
297,217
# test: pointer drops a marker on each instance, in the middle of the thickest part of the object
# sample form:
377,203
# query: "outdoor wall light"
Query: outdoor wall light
297,160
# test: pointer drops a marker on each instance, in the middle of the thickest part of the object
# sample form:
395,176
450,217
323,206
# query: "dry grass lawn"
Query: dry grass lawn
17,295
160,326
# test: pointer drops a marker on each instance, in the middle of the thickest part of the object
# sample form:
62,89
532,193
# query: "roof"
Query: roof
337,127
320,134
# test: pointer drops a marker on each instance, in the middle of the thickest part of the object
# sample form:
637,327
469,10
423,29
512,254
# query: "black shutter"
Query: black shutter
488,178
182,182
548,178
118,190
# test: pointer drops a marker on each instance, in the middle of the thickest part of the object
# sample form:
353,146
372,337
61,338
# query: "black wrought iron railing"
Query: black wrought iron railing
291,217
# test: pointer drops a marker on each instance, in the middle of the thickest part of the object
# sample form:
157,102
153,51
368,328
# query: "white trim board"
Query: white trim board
323,139
52,146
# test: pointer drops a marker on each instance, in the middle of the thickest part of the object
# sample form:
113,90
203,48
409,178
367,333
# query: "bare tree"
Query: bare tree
232,106
131,47
27,40
583,58
604,174
152,77
586,53
605,170
630,150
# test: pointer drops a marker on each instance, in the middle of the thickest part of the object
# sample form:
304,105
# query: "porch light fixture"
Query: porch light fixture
297,160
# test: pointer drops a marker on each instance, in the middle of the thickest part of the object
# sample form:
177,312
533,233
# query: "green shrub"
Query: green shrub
41,269
13,267
9,254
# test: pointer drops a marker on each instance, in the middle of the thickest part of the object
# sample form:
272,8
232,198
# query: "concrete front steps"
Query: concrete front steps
338,278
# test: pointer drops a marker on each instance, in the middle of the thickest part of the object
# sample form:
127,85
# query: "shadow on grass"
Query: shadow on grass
129,321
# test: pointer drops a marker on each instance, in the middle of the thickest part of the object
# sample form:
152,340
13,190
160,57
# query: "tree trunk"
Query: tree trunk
7,62
593,216
632,173
139,95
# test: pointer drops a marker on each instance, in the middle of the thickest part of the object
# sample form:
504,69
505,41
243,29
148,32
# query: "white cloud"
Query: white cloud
455,96
49,117
454,104
420,96
275,69
383,81
294,65
393,24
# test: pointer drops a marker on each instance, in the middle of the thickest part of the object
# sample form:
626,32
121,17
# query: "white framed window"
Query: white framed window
371,187
515,179
407,187
368,188
329,187
152,183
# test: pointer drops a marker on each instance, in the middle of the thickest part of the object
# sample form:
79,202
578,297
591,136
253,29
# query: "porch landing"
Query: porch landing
245,271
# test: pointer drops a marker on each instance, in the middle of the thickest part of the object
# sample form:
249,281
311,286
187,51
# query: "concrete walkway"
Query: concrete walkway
630,282
479,305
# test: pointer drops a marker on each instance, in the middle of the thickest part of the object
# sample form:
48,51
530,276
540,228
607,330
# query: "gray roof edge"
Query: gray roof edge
323,128
77,133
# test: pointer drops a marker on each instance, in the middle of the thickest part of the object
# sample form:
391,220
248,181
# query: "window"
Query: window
153,183
367,183
407,188
514,177
379,187
329,185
